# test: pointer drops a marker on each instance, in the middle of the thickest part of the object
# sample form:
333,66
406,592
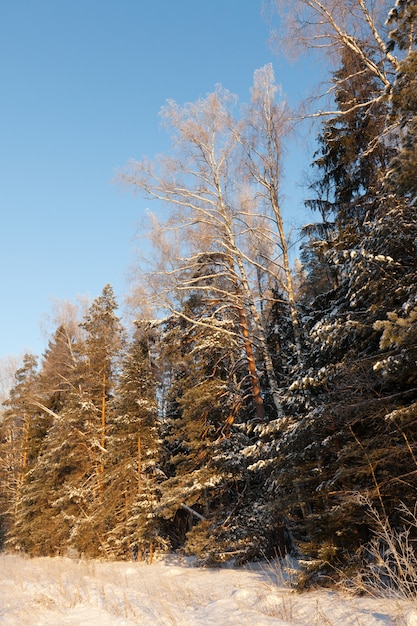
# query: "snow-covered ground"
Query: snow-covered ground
64,592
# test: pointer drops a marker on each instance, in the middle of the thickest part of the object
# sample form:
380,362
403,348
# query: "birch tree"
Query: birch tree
208,201
261,133
334,26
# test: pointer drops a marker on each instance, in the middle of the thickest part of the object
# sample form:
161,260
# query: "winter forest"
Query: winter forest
256,407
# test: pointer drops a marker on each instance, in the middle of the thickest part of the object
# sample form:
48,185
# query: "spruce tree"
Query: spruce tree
343,443
207,400
403,98
37,530
66,484
22,431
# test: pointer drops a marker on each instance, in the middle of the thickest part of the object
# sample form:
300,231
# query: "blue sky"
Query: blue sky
82,84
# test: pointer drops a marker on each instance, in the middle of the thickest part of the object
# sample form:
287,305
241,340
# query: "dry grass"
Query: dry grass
67,592
390,570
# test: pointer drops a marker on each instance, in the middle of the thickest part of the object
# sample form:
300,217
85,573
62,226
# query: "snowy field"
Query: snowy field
64,592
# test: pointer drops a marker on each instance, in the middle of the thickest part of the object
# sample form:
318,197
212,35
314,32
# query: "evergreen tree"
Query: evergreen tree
133,472
208,399
344,442
403,19
57,368
102,348
352,157
65,487
22,430
98,372
36,529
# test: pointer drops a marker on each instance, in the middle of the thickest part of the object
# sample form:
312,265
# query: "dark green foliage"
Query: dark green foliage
205,401
358,433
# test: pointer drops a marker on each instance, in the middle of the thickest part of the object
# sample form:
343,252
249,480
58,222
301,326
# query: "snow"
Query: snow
69,592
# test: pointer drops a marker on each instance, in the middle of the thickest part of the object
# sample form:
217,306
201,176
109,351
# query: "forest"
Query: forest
257,407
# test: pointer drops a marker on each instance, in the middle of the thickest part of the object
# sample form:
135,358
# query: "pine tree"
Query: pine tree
102,346
98,373
133,472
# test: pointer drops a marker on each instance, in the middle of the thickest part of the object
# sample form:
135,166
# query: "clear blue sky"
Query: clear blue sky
82,83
